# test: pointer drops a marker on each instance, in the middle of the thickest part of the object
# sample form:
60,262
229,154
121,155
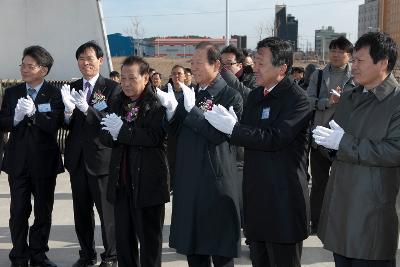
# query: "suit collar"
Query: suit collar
216,86
386,87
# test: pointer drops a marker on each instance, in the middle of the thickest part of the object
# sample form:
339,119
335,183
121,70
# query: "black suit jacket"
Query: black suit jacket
274,132
83,138
33,141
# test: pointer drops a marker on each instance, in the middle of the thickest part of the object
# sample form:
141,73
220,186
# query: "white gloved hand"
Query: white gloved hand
168,100
79,99
18,112
112,123
329,138
67,98
189,97
27,106
221,119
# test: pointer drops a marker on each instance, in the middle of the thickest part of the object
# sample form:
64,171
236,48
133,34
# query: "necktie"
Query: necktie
89,93
266,92
32,93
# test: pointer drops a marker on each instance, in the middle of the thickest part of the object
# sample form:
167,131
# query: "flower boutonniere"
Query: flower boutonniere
132,112
97,98
206,104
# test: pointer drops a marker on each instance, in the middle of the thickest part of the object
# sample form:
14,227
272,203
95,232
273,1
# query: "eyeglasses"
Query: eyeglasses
229,63
28,66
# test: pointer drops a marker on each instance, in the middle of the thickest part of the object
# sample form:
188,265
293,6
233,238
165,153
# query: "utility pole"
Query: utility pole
227,24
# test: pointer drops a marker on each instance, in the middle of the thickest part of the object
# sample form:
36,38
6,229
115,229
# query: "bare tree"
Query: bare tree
264,29
136,31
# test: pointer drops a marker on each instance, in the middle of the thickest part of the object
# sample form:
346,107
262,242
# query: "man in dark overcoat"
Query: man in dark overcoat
273,131
205,220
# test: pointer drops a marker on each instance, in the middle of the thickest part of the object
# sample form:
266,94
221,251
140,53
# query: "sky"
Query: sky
207,17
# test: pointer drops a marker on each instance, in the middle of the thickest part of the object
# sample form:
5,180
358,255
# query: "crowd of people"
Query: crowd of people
233,145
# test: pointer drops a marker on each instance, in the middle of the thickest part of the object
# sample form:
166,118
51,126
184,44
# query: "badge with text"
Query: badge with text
100,105
44,107
265,113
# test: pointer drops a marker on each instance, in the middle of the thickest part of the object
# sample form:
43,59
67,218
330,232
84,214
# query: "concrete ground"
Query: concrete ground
64,245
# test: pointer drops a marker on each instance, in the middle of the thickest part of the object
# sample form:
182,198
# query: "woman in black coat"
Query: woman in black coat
138,185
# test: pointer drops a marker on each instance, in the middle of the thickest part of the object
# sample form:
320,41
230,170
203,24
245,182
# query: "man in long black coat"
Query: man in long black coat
205,212
273,131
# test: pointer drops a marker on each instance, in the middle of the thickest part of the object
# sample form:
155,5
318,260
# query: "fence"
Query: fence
61,133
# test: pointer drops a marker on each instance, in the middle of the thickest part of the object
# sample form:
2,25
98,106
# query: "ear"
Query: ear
217,65
44,71
101,60
282,69
384,64
146,78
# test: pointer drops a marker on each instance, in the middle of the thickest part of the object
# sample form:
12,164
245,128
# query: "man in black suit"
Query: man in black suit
274,132
32,112
86,159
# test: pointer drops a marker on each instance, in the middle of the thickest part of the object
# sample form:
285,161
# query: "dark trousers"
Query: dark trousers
87,191
138,224
21,189
205,261
341,261
320,166
264,254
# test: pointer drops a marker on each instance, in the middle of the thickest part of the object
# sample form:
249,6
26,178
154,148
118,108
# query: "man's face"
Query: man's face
177,75
156,80
297,76
267,74
228,60
188,78
115,79
31,72
338,57
364,70
89,64
132,82
204,72
248,61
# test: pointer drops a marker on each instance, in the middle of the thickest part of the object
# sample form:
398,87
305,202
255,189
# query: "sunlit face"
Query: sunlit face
89,64
188,78
338,58
156,80
248,61
267,75
364,70
31,72
132,82
177,76
229,61
115,79
204,72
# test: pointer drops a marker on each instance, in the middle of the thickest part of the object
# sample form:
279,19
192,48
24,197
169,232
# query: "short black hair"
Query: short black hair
297,69
135,60
341,43
381,46
40,55
213,54
156,73
114,73
90,44
233,50
177,66
188,70
282,51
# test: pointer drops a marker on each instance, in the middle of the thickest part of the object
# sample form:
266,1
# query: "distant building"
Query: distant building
241,41
368,17
122,46
323,37
286,27
389,19
183,47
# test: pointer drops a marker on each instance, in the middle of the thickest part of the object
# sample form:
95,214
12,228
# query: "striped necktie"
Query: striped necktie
32,93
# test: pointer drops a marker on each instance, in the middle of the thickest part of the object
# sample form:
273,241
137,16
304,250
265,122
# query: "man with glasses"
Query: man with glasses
86,159
324,92
235,74
32,112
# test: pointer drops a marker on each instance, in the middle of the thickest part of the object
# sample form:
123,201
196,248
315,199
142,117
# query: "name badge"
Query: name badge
100,106
265,113
44,107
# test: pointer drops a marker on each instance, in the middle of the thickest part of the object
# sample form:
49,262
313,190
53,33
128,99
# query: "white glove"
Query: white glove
79,99
18,113
189,97
329,138
221,119
168,100
112,123
67,98
27,106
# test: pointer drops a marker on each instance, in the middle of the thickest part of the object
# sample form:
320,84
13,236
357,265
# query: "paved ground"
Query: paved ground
64,245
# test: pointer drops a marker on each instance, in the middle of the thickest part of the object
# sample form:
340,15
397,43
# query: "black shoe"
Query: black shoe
108,264
84,263
45,263
19,264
